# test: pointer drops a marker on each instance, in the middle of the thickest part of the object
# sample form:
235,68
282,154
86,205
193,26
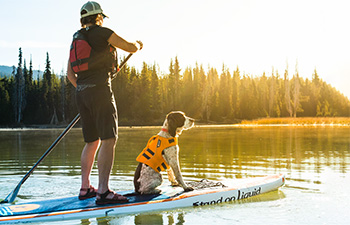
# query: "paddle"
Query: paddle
11,197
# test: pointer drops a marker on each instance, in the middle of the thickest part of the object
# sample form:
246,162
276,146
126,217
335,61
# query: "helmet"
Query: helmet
91,8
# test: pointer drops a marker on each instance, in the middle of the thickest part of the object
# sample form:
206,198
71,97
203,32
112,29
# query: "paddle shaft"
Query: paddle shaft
11,197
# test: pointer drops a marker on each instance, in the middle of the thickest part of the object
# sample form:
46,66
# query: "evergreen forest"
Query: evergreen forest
144,96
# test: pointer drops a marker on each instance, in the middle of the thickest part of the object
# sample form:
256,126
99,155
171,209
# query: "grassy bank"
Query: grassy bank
300,121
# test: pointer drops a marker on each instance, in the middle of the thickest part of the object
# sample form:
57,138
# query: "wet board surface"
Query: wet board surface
169,198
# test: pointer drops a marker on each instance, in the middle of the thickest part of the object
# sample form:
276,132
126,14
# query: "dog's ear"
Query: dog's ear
172,128
175,120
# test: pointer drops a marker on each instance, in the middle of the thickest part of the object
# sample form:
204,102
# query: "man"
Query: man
96,104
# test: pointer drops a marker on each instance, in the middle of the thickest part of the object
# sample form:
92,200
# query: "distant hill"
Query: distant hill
6,71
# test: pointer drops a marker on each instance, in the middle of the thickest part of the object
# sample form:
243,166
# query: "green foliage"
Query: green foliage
6,113
145,97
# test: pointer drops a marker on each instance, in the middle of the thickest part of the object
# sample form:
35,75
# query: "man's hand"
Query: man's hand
140,43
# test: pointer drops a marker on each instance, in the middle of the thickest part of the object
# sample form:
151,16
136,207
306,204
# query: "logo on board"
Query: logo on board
9,210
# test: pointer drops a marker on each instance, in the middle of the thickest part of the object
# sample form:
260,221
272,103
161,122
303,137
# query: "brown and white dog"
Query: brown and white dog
146,178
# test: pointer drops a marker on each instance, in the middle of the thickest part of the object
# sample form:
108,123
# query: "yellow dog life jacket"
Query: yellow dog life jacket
152,154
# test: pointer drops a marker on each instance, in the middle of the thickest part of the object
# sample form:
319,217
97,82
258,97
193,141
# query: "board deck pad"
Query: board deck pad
170,197
73,203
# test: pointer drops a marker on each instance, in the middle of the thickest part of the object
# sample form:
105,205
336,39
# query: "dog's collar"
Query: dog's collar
165,130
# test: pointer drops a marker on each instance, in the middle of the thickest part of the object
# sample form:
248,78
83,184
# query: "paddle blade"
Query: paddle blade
11,197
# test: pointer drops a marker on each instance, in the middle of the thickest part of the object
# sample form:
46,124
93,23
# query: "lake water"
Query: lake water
315,160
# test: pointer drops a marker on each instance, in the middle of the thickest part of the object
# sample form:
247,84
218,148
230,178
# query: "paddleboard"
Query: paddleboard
169,198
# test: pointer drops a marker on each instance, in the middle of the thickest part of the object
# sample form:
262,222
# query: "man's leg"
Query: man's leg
87,161
105,162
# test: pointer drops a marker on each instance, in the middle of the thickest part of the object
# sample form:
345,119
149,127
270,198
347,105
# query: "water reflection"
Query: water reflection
150,219
166,218
257,151
178,217
205,152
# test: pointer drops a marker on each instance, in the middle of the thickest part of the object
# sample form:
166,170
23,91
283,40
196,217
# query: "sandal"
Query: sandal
90,193
117,198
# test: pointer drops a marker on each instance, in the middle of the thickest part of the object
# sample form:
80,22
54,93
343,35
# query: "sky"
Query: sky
256,36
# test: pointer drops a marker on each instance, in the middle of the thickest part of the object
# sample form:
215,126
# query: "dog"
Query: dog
162,154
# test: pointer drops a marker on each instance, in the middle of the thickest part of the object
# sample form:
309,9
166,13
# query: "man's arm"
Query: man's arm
72,77
119,42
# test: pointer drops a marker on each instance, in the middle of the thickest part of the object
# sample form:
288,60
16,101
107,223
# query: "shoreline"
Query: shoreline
263,122
301,121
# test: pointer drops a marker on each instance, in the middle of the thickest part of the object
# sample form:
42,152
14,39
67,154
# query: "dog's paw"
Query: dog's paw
188,189
151,192
156,191
175,184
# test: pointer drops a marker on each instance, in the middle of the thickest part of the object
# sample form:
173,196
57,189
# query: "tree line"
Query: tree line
144,97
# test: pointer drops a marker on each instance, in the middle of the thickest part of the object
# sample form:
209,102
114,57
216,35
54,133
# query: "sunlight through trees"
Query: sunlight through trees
144,97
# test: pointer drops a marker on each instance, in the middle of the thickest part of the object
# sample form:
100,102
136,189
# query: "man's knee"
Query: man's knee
93,144
109,141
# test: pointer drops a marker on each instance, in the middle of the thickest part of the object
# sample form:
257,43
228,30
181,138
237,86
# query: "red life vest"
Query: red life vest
152,153
83,57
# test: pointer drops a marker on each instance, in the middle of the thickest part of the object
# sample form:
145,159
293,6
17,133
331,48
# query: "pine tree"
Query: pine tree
287,93
236,82
278,95
171,86
63,96
19,91
263,96
315,93
197,93
272,94
47,105
296,93
28,114
224,95
177,84
156,108
141,107
47,76
188,92
123,92
5,102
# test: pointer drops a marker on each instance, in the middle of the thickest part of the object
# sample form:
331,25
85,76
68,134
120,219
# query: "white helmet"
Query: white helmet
91,8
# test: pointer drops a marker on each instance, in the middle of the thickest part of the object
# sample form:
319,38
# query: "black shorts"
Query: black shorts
98,113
